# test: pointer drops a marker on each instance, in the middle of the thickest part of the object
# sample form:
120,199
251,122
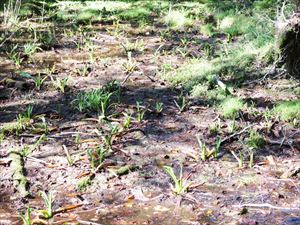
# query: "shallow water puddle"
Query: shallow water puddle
149,213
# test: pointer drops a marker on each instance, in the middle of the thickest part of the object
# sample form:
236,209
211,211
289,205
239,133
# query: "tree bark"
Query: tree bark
289,43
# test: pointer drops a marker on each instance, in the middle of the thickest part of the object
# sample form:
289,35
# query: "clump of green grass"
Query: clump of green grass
288,110
159,106
192,73
135,14
207,29
47,38
181,102
134,46
176,19
60,83
141,110
11,13
14,55
200,90
84,183
99,101
31,48
255,140
93,101
96,156
89,10
230,107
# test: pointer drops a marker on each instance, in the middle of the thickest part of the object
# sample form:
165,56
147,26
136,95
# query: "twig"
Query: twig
150,78
267,205
236,157
7,38
49,165
284,142
270,71
126,78
129,74
61,135
88,222
236,134
67,208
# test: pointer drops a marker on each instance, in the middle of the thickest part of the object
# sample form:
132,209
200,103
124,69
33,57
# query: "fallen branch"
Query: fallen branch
236,134
42,162
88,222
7,38
66,208
17,168
62,135
267,205
129,74
121,171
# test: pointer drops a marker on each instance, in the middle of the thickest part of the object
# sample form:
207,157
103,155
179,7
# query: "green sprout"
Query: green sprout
180,186
48,200
159,106
26,217
181,102
140,112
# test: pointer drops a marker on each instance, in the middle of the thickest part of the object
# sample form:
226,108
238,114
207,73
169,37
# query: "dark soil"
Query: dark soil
220,191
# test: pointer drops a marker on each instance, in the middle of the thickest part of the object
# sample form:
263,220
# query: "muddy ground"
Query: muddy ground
220,191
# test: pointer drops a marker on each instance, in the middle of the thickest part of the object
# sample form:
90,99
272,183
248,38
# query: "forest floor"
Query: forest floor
242,181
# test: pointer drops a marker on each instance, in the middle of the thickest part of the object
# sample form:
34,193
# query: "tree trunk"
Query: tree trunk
289,43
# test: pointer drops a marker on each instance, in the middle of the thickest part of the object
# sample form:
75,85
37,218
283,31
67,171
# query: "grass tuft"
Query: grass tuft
255,140
100,100
288,110
230,107
176,19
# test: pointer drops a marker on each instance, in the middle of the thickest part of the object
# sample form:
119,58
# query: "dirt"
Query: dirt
220,191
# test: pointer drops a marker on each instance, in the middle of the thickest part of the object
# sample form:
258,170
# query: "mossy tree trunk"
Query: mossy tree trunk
288,42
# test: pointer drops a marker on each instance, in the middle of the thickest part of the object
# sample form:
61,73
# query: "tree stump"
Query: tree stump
288,42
